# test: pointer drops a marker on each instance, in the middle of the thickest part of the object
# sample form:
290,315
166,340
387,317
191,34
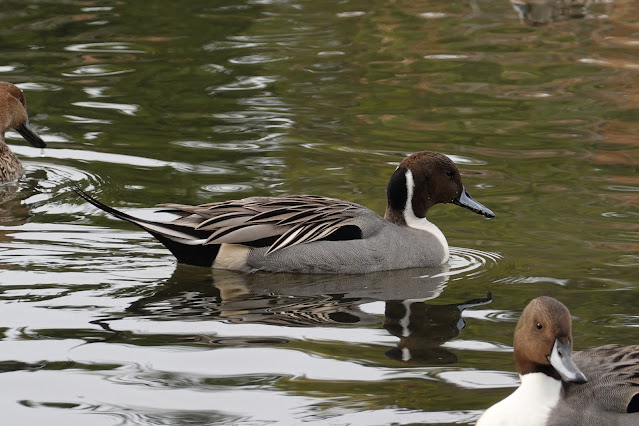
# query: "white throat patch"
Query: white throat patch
421,223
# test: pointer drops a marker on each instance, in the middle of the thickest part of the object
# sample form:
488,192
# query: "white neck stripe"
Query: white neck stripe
421,223
410,188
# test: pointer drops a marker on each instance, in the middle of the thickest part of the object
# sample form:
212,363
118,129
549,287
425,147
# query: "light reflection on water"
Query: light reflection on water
220,101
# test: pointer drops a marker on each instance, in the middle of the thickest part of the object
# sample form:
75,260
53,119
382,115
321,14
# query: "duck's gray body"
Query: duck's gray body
611,391
383,246
314,234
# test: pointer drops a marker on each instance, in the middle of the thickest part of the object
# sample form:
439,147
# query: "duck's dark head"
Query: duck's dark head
422,180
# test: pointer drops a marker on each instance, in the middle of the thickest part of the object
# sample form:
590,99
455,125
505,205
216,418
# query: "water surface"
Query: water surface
201,101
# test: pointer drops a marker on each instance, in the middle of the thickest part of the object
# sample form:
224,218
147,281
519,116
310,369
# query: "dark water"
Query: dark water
199,101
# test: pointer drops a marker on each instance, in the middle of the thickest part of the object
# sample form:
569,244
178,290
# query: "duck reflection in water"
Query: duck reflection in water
294,300
541,12
423,328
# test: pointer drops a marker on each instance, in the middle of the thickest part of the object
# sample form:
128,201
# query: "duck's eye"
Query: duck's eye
539,326
450,173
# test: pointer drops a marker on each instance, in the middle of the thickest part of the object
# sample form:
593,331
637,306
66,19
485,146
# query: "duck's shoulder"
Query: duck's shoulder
611,355
613,378
611,394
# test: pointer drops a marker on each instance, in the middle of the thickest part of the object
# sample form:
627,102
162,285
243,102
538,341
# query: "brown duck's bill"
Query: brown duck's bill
30,135
561,359
466,201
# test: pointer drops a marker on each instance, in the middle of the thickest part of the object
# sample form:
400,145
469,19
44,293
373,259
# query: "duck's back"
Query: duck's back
611,395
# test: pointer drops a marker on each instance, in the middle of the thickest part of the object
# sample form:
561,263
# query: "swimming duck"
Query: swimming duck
541,12
13,114
314,234
598,386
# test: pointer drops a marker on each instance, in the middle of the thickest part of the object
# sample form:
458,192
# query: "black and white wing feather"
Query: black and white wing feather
273,222
276,222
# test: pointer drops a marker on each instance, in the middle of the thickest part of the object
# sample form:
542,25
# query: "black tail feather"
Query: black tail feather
197,255
117,213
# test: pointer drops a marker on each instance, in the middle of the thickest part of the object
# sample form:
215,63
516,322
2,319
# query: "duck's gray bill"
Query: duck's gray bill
30,135
465,200
561,359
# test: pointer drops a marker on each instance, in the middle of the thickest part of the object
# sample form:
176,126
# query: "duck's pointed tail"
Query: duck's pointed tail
186,243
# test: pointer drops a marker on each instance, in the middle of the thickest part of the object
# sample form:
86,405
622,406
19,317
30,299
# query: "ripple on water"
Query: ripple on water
8,68
225,45
86,120
243,83
96,71
227,188
466,263
103,157
59,175
478,379
257,59
625,260
44,87
210,404
105,47
224,146
88,255
467,161
127,109
532,280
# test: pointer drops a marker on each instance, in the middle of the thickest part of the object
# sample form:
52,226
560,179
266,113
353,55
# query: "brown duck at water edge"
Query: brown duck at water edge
598,386
13,115
314,234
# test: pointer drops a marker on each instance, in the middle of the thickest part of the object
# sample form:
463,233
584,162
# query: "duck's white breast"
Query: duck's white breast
530,405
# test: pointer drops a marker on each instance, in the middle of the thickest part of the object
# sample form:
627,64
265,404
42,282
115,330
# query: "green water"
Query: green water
201,101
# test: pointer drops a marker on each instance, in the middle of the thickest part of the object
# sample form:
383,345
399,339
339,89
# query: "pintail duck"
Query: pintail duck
313,234
13,114
598,386
541,12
